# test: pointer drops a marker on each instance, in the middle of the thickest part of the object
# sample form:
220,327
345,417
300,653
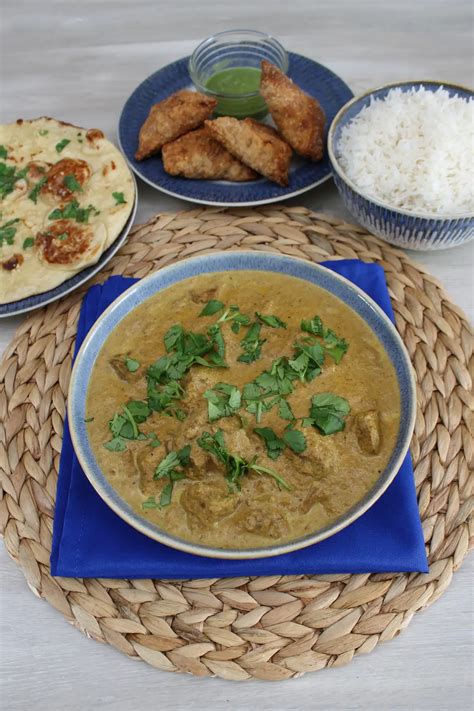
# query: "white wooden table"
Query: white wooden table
79,61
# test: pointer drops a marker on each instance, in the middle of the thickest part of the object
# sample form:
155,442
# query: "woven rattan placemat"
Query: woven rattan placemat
267,627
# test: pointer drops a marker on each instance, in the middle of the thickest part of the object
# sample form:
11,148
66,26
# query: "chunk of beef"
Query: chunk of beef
207,502
367,428
265,520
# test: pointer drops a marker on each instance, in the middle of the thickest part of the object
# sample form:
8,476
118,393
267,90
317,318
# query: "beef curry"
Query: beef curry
242,409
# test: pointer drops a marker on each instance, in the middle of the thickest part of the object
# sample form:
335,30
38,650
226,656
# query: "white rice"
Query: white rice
413,150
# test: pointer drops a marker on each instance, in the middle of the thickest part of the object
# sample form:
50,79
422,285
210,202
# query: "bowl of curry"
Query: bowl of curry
242,404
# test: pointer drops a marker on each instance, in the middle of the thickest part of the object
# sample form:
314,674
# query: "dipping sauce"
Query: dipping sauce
233,89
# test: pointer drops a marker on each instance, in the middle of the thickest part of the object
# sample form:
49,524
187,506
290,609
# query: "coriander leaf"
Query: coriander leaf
73,211
307,360
235,465
119,198
295,440
72,184
28,242
174,337
223,401
150,503
131,364
116,444
33,194
328,412
272,321
43,132
212,307
62,145
233,314
252,344
8,232
166,494
9,176
274,444
168,469
137,409
285,411
154,441
314,326
3,152
333,345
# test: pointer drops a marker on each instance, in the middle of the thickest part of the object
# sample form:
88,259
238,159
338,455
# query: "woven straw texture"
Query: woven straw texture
266,627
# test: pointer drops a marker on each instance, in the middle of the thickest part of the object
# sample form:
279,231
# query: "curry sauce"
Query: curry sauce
323,479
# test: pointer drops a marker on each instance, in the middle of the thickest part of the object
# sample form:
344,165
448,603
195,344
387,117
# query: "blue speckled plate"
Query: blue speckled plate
335,284
312,77
38,300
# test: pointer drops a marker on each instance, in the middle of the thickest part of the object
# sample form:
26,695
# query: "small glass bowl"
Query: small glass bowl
235,49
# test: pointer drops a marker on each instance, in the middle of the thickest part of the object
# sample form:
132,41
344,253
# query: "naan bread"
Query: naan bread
65,196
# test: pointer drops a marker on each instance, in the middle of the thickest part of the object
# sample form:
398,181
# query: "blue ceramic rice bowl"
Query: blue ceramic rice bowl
395,225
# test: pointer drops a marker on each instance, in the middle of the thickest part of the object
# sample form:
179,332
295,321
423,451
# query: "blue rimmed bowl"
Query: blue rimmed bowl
340,287
420,231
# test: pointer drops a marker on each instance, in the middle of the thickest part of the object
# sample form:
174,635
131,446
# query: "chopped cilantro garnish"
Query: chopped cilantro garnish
33,194
168,469
8,232
294,439
212,307
333,345
131,364
72,184
252,344
28,242
62,236
272,321
119,198
327,413
73,211
235,466
124,425
9,175
62,145
153,439
3,152
43,132
274,444
223,400
233,314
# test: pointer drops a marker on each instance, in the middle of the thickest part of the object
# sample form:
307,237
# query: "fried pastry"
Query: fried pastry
299,117
256,145
198,155
170,118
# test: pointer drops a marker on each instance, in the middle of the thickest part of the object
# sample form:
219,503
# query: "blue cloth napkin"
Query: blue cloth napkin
90,540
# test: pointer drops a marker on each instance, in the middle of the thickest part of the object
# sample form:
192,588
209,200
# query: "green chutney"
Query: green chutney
238,81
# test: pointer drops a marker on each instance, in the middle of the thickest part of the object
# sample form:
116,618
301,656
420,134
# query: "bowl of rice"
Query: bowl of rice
402,158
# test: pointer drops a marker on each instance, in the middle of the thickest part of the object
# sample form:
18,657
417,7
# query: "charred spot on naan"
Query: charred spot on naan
65,178
66,243
13,262
37,169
